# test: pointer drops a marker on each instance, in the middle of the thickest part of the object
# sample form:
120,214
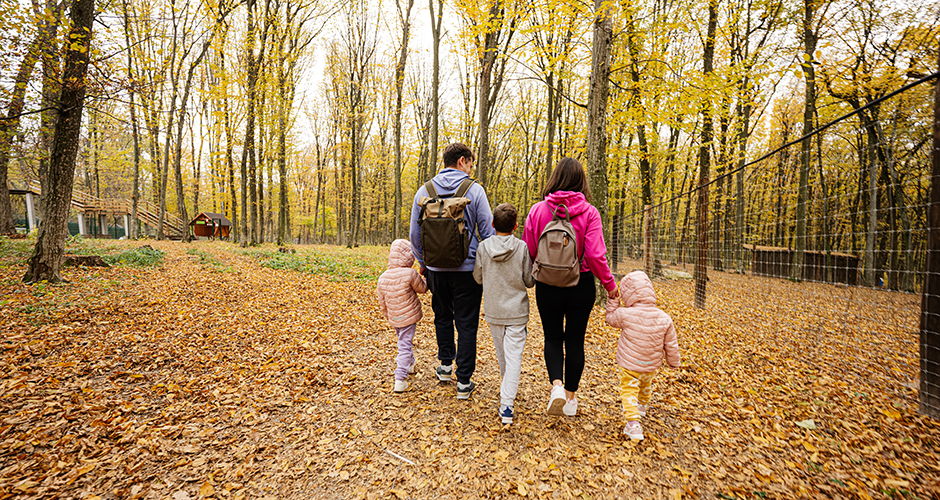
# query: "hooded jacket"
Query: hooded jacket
586,221
502,267
646,332
399,286
478,216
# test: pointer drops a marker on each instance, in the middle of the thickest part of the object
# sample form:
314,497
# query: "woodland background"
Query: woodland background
315,122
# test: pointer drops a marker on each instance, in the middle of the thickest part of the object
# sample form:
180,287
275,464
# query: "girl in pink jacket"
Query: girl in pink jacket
646,334
398,290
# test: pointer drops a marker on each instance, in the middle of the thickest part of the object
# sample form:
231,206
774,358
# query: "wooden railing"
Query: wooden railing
147,212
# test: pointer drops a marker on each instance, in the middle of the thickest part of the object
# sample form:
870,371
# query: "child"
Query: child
645,333
503,268
398,290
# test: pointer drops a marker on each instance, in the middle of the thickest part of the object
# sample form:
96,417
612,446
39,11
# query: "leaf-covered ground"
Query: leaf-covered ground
228,373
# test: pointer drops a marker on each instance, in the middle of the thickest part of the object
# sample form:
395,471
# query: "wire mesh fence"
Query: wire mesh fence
819,247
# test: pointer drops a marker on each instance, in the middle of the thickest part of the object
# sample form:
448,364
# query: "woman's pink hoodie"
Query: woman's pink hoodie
587,227
646,332
399,286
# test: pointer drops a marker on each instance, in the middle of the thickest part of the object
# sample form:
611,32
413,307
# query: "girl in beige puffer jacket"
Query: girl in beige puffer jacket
398,290
646,333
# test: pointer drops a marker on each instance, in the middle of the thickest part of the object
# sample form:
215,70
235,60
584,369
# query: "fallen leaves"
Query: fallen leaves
182,382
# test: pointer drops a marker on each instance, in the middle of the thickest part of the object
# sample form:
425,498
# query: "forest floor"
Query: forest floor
205,370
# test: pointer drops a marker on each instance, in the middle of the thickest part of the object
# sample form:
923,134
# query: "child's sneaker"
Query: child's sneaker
642,409
633,430
463,391
556,400
401,385
411,369
571,407
445,373
505,413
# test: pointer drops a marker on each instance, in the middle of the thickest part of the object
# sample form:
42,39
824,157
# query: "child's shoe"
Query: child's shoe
633,430
463,391
445,373
642,409
411,369
556,400
505,413
571,407
401,385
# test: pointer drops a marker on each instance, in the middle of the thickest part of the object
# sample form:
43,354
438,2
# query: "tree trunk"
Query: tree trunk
248,148
46,260
701,261
135,134
399,89
809,109
436,20
597,115
10,122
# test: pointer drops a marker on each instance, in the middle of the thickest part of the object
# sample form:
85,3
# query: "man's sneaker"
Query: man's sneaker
642,409
571,407
463,391
445,373
633,430
401,385
556,400
505,413
411,369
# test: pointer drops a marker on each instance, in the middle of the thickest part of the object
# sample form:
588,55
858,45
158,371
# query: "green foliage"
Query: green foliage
15,251
338,265
144,256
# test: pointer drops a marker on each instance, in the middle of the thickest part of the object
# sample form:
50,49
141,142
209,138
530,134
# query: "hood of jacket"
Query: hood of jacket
448,180
400,254
501,248
637,289
575,201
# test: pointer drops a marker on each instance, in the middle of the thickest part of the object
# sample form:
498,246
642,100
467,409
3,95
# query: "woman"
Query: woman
565,310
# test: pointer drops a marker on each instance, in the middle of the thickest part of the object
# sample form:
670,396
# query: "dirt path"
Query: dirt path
220,378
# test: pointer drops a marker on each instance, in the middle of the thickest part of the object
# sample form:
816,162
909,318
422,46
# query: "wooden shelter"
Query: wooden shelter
211,225
775,261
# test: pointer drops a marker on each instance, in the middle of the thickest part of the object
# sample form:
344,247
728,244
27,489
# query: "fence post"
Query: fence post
930,305
648,239
615,242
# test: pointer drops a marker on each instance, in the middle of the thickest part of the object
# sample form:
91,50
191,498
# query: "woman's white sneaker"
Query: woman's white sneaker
556,400
571,407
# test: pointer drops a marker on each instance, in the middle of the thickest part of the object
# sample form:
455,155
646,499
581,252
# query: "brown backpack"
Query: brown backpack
445,239
556,259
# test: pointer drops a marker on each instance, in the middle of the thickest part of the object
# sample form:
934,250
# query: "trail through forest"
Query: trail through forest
209,375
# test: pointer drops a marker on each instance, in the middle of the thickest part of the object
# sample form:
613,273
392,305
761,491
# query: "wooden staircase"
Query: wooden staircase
147,212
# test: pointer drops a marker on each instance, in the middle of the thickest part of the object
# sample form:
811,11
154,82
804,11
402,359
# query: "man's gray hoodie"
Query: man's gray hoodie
504,269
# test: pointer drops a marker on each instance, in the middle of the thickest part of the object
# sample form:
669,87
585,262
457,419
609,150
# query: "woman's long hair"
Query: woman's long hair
568,176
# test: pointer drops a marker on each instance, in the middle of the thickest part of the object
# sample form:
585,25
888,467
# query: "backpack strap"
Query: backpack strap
464,187
429,187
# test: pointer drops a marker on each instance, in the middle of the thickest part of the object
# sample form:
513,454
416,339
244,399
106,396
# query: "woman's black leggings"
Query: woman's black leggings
565,312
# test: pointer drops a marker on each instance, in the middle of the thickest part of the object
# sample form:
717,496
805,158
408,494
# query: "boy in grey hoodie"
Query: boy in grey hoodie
503,268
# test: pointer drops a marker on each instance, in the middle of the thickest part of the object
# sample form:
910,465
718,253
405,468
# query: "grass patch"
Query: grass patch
15,251
209,261
145,256
335,263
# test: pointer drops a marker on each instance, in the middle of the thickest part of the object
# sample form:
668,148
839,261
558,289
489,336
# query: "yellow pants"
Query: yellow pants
635,389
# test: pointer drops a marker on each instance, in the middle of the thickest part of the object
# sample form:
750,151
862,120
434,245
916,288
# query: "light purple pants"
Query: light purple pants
406,355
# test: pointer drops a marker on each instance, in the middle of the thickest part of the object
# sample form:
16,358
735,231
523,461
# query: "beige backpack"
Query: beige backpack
557,261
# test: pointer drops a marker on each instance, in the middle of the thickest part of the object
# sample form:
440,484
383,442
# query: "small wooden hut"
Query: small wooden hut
211,225
775,261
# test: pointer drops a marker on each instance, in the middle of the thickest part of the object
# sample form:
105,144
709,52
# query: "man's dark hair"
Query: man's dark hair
454,152
568,176
504,218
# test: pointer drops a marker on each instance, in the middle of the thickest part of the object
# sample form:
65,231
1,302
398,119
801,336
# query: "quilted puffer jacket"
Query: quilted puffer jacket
646,332
399,286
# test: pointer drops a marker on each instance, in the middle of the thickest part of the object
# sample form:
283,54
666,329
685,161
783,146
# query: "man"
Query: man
456,295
